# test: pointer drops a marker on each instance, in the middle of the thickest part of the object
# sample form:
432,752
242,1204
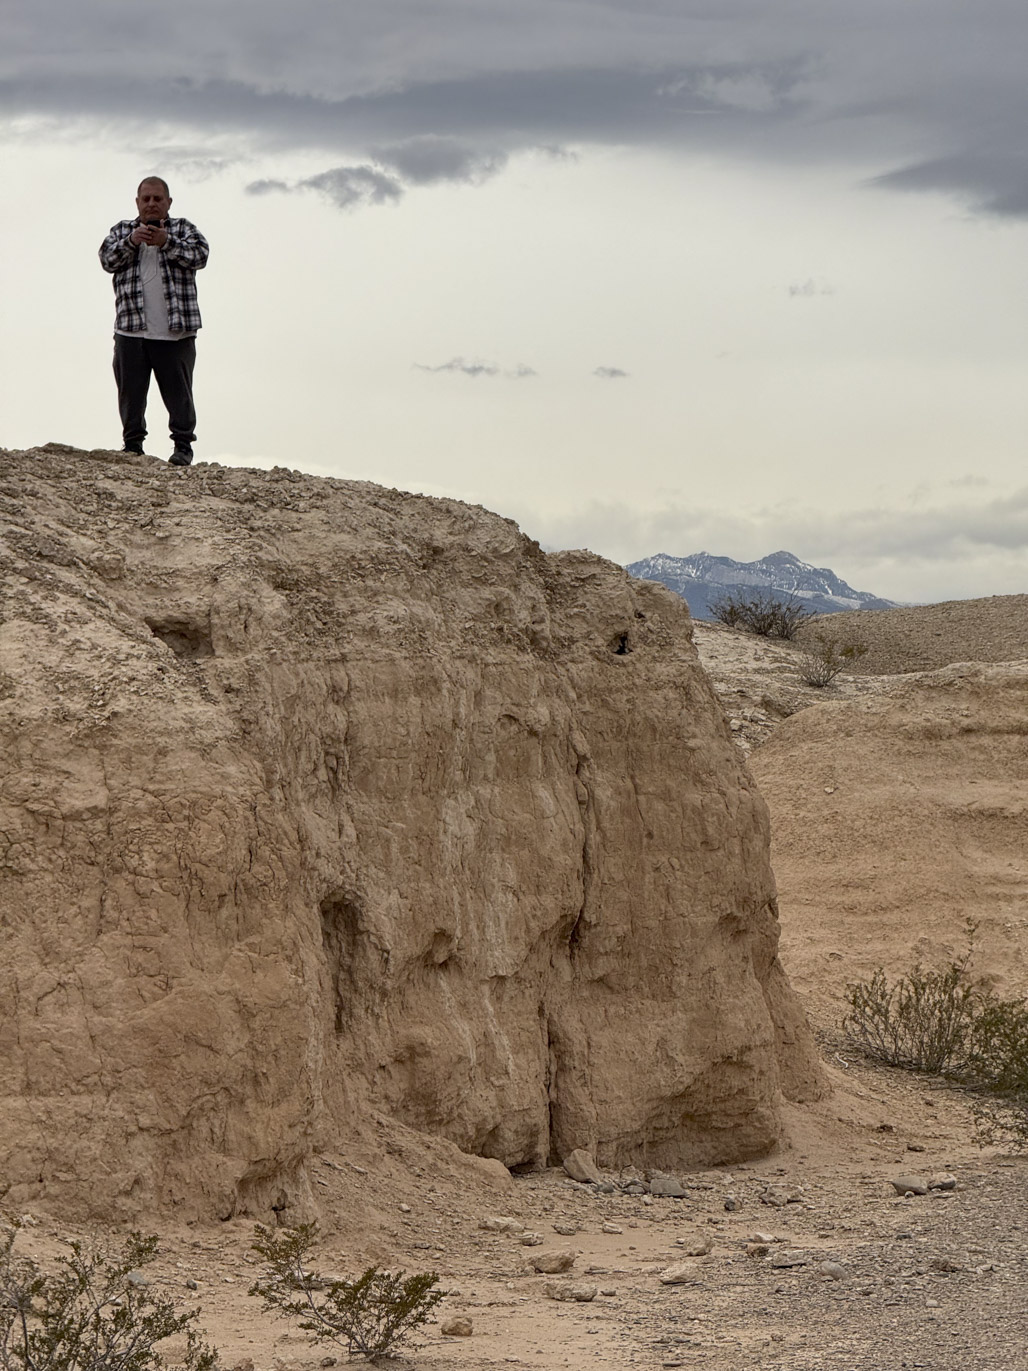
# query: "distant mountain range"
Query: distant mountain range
701,580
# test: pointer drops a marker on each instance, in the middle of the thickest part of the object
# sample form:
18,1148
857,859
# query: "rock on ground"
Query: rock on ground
580,1166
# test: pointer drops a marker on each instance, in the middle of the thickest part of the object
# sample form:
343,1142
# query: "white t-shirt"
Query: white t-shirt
155,307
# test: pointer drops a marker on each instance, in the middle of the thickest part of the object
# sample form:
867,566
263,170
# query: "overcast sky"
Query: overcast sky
645,275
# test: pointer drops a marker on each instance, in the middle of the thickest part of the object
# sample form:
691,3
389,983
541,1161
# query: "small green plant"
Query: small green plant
370,1315
825,657
765,615
951,1024
93,1312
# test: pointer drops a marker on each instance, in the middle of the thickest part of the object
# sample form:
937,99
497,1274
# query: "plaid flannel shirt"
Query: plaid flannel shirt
181,258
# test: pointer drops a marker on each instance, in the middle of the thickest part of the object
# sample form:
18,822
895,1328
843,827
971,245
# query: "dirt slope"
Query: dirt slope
899,803
896,818
926,637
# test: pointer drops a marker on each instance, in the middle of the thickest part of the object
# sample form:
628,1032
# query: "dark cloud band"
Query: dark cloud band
440,90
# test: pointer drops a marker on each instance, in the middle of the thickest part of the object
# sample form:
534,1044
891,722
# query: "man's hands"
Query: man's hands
151,234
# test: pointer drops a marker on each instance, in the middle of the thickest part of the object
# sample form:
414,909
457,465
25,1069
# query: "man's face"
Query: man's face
152,202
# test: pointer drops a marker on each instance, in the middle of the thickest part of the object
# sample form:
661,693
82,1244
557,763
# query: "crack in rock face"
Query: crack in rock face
336,802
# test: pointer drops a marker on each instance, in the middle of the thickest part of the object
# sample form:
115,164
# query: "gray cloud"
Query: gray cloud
349,186
476,369
428,157
439,89
466,368
416,161
609,373
346,187
487,115
266,187
989,183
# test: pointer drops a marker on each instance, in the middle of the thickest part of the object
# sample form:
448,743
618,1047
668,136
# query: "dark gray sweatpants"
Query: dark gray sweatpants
135,359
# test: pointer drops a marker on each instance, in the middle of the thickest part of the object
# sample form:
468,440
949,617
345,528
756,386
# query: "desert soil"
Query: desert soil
935,1281
926,637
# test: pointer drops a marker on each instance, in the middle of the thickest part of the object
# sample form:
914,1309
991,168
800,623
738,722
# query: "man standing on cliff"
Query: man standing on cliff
154,260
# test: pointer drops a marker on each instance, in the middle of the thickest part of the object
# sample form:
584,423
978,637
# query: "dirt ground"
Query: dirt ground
934,1281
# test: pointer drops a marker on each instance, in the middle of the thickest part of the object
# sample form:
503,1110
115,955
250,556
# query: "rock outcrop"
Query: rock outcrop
318,798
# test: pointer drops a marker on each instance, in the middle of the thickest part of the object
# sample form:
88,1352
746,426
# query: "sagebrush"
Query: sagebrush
368,1316
94,1311
949,1023
824,657
766,615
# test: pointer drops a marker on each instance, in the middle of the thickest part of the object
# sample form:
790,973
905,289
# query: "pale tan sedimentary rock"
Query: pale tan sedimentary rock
318,799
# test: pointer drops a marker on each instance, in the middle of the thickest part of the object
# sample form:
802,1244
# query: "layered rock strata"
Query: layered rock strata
318,798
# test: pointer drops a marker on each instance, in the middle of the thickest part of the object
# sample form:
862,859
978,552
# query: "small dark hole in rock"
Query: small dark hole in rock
621,648
185,638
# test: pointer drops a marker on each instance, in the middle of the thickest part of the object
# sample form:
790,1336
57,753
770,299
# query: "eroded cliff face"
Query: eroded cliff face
318,798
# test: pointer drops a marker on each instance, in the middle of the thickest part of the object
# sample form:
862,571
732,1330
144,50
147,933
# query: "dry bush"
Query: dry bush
825,657
951,1024
368,1316
922,1022
93,1312
765,615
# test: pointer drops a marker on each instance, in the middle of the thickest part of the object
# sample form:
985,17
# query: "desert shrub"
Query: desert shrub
93,1312
825,657
761,614
727,610
997,1050
923,1021
368,1316
952,1024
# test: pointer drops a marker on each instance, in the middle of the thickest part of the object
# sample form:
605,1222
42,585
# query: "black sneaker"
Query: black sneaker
181,457
136,449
